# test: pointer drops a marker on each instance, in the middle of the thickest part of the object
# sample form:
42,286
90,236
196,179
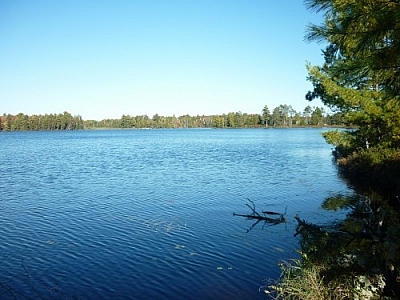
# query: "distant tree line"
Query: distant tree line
22,122
281,116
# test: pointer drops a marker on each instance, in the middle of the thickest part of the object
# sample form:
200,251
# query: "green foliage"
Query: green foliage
22,122
378,168
360,76
282,116
344,141
360,79
265,115
317,117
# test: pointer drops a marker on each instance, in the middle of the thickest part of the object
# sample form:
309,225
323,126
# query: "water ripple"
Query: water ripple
148,214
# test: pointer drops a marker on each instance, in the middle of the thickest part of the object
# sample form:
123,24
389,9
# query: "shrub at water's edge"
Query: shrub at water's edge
375,168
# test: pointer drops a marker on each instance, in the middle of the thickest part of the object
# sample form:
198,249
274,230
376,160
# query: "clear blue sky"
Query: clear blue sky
101,59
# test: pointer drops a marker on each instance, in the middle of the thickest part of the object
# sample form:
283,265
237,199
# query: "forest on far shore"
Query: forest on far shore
281,116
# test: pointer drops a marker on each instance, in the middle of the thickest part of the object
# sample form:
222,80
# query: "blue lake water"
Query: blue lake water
148,214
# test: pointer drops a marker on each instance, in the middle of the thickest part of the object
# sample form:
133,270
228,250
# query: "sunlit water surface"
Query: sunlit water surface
148,214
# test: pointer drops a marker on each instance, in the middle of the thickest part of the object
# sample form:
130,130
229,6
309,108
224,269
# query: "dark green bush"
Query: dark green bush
378,168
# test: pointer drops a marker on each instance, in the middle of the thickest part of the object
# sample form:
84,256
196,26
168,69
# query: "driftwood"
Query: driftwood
265,216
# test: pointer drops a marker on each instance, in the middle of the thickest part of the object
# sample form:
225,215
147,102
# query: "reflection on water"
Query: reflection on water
363,248
147,214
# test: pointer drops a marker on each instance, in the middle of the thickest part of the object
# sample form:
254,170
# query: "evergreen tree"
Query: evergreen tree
361,73
265,115
317,117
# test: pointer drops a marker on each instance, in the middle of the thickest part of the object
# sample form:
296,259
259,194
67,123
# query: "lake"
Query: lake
148,214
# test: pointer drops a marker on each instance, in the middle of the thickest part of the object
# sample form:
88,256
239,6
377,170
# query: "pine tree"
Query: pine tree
361,73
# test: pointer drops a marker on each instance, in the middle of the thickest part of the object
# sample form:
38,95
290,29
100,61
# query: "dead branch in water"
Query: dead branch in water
264,217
